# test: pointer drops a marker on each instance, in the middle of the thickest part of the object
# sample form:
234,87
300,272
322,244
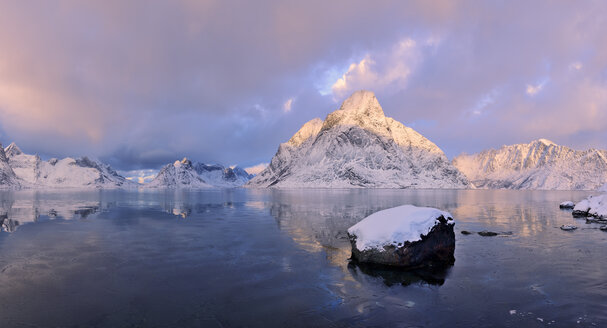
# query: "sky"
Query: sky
138,84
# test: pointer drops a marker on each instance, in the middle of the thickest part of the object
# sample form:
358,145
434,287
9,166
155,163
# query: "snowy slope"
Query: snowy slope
64,173
188,174
358,146
540,164
8,178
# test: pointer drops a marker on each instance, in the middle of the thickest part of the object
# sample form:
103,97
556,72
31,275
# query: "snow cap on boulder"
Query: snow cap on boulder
404,236
396,225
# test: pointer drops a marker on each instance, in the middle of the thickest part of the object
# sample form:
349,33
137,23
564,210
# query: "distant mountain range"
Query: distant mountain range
541,164
358,146
20,170
188,174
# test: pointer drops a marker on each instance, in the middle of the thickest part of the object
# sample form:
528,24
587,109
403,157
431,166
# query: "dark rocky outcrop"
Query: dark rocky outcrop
435,248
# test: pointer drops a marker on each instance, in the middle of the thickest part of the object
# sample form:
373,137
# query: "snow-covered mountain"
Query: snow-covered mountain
188,174
32,172
541,164
8,178
358,146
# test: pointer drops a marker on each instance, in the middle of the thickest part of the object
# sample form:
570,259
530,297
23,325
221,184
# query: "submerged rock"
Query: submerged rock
567,205
404,236
595,220
568,227
486,233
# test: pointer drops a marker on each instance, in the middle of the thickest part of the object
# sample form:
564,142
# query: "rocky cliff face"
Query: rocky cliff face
8,178
358,146
540,164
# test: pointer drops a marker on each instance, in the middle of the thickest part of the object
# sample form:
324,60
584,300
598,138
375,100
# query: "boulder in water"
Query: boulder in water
404,236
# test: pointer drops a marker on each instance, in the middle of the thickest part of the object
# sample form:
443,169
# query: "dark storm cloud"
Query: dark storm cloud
142,83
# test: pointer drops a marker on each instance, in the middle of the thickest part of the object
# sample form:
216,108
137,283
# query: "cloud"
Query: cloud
381,70
576,66
533,89
286,107
256,169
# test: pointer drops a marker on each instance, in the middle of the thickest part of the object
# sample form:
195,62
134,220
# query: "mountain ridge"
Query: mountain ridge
187,174
31,171
540,164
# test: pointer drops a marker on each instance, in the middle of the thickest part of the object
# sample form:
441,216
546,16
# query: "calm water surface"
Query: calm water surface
268,258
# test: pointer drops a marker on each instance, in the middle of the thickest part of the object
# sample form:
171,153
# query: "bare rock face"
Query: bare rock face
426,237
8,178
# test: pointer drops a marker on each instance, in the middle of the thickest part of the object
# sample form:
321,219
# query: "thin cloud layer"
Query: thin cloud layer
142,83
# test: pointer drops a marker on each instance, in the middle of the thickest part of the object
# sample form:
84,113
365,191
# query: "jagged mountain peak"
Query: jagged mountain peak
362,100
12,150
188,174
544,142
360,109
185,161
358,146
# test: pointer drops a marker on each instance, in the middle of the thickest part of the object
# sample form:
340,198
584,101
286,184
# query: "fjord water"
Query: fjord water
279,258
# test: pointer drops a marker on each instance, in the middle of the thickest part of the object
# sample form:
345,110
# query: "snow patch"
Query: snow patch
396,225
567,204
594,205
256,169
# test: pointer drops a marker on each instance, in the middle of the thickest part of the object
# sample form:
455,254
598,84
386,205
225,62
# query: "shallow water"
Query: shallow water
270,258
